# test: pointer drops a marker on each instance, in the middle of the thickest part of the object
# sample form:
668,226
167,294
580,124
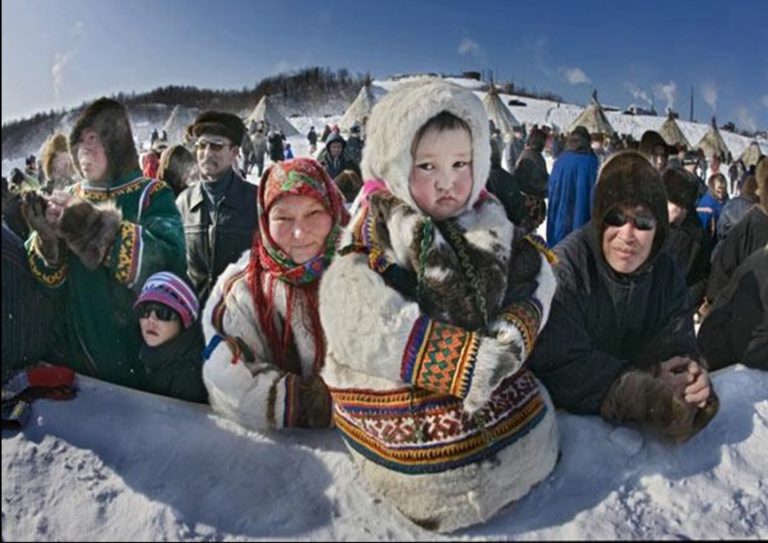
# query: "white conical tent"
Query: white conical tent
359,110
672,134
593,119
268,113
499,113
177,123
712,143
751,154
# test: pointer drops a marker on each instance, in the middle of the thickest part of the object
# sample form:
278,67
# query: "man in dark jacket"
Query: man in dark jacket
687,242
619,341
747,236
333,160
219,212
736,329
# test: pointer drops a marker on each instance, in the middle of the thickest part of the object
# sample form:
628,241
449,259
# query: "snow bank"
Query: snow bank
117,464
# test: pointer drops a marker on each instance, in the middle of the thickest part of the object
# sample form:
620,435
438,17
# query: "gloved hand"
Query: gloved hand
88,230
315,403
47,243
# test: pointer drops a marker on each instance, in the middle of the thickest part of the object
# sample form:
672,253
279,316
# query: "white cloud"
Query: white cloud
745,118
668,91
638,93
575,76
709,93
764,99
60,61
468,46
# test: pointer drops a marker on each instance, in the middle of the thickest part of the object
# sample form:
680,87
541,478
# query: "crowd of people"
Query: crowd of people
418,313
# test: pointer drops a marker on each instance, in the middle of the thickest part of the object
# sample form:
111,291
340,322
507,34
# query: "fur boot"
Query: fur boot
90,230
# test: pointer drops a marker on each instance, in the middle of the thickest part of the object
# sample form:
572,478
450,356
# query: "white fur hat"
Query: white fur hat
399,115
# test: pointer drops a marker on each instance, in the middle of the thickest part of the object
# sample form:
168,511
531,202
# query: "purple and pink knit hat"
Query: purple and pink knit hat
168,289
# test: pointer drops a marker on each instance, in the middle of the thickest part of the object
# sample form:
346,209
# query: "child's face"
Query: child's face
441,175
154,329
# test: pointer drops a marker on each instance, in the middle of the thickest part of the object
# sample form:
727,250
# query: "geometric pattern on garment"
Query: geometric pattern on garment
440,357
415,431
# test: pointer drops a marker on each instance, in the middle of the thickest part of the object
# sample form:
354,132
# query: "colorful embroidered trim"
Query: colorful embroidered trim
385,427
50,277
102,194
130,247
525,315
440,357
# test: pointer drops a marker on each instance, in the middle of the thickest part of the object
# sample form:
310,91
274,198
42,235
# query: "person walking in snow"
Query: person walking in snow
312,139
620,341
219,212
571,186
97,241
425,361
265,344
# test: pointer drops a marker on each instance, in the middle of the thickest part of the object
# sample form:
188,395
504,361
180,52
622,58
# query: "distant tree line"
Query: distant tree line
308,82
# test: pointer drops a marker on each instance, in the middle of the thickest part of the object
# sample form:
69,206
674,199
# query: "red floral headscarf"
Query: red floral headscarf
269,263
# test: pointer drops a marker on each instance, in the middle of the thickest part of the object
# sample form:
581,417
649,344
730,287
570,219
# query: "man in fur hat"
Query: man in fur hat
219,212
97,241
620,340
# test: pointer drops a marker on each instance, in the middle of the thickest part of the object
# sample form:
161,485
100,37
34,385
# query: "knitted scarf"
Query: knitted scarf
269,263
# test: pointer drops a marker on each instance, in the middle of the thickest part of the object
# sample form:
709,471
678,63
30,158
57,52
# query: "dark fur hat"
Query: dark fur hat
682,188
578,140
650,140
629,178
219,123
109,119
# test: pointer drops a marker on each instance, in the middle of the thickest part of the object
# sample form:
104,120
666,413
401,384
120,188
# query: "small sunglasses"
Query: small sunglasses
162,311
214,145
616,217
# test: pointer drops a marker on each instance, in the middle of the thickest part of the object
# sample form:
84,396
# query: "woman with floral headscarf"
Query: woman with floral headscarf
265,346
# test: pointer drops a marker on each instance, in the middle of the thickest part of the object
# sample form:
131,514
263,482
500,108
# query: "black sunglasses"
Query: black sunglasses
162,311
616,217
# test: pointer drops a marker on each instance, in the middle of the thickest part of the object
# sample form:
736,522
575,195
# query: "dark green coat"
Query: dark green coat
102,331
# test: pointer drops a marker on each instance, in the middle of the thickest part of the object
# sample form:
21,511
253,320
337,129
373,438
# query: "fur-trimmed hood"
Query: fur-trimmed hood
109,119
399,115
629,178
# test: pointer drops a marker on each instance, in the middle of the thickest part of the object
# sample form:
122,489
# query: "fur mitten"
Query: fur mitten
495,361
90,230
315,403
46,244
640,397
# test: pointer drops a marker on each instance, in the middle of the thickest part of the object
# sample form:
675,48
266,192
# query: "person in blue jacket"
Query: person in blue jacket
571,185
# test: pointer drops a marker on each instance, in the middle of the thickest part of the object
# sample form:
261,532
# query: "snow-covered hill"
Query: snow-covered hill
116,464
317,112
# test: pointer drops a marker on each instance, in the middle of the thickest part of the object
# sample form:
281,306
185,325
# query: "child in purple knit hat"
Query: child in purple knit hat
171,353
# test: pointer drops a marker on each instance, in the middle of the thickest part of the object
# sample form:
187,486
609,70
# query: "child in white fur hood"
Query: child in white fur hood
426,364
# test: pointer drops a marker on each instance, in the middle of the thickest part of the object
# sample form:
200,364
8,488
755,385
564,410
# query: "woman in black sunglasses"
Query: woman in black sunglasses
620,339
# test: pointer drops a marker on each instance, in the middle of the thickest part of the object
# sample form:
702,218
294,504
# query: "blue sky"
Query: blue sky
59,53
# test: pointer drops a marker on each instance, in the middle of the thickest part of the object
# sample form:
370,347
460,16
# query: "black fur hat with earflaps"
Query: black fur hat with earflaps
109,119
